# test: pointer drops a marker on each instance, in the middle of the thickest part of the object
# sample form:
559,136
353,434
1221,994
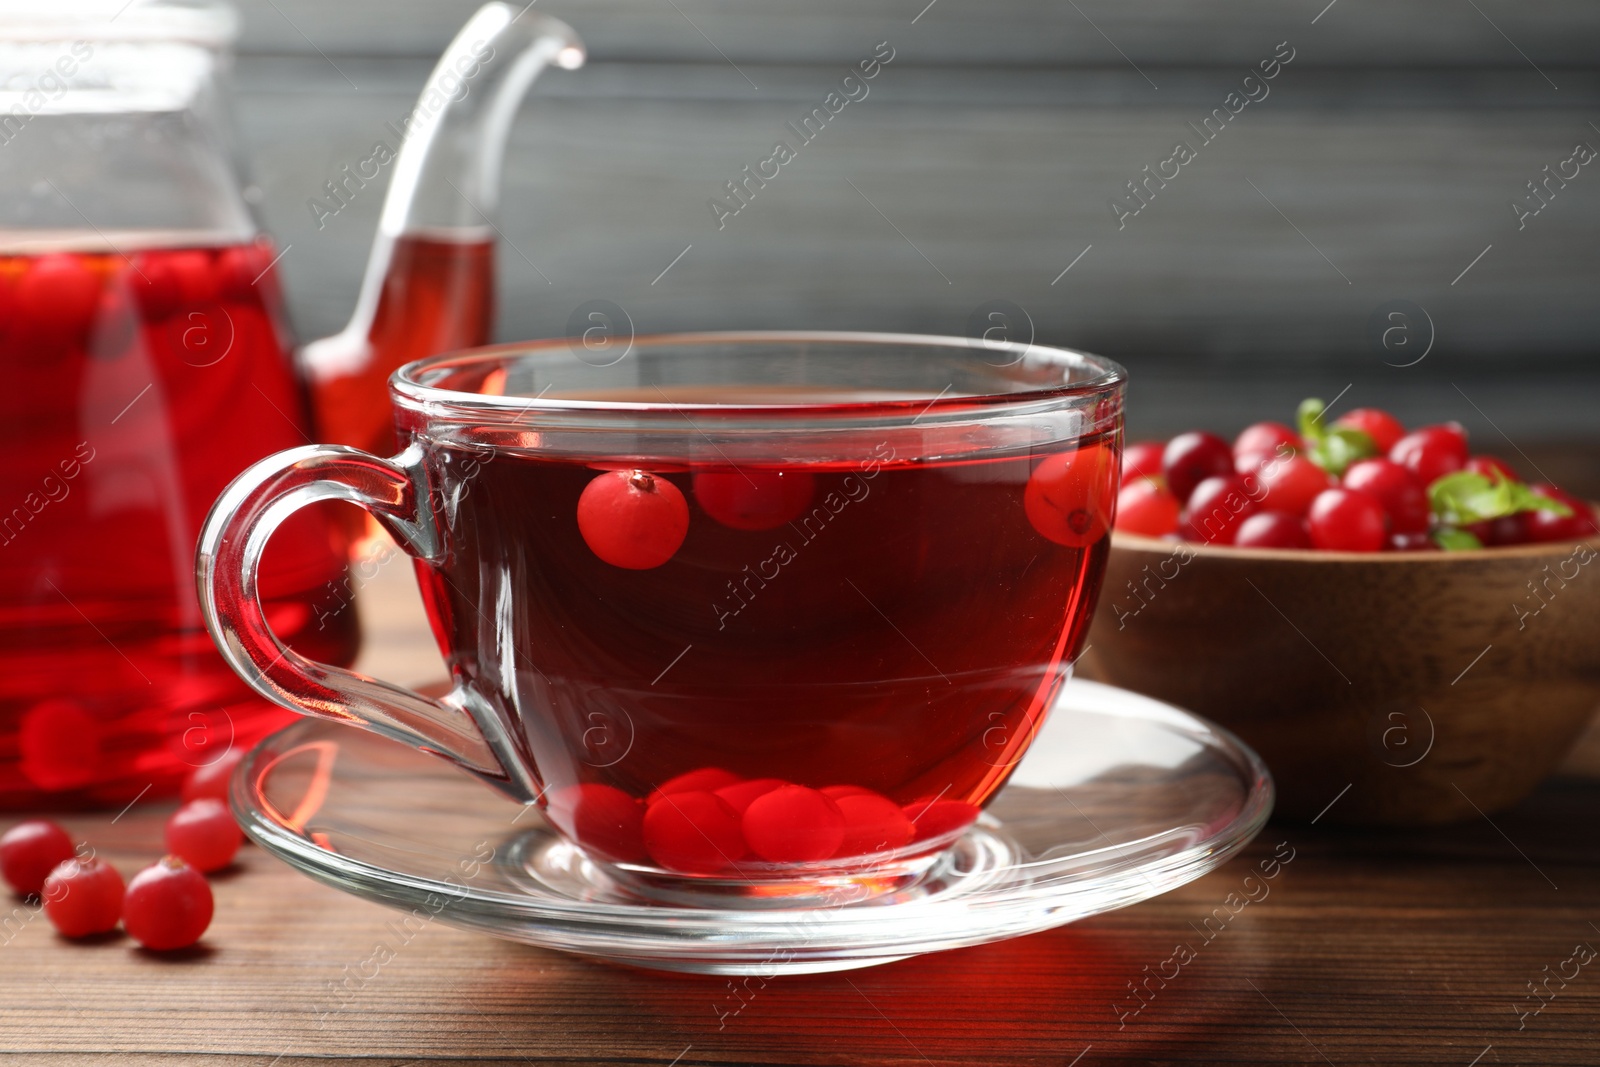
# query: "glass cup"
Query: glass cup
754,618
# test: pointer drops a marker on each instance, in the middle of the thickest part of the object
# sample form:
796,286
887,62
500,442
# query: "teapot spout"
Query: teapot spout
429,283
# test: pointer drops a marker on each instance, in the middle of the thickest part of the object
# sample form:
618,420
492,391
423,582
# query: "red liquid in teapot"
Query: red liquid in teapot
137,385
888,626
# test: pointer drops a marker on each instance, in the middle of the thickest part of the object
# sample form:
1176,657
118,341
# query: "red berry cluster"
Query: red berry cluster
1362,484
168,905
707,821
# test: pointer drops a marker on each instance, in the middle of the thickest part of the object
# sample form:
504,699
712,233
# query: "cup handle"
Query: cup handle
227,562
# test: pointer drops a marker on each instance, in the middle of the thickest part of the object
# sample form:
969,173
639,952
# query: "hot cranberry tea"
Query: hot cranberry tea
138,385
733,667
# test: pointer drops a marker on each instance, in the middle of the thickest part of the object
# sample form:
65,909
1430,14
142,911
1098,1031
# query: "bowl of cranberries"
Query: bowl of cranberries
1367,605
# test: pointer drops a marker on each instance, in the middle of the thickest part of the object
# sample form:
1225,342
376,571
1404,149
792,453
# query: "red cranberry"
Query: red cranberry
83,897
213,779
633,519
1070,496
1547,526
1142,460
1190,458
1432,452
1404,498
601,818
752,499
693,833
1345,520
740,795
29,851
203,834
1217,507
1266,439
1497,533
793,824
1273,529
872,824
1382,427
1146,507
701,780
1291,484
167,906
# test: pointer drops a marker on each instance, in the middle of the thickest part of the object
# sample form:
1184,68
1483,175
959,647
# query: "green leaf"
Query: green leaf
1331,448
1453,540
1466,497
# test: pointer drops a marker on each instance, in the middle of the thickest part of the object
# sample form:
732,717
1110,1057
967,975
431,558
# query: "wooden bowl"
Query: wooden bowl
1437,686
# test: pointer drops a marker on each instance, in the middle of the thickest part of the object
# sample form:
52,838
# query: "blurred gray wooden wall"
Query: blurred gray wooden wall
1381,167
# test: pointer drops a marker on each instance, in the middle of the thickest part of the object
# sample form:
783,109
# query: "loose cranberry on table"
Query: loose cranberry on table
203,834
1346,520
1384,429
167,906
1142,460
1403,496
213,779
1273,529
1191,458
83,897
1291,484
1217,507
1432,452
1145,506
29,851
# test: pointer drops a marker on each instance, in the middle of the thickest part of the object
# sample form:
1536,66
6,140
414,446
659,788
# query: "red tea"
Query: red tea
886,633
138,384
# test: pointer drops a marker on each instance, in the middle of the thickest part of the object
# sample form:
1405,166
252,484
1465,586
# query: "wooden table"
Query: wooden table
1412,947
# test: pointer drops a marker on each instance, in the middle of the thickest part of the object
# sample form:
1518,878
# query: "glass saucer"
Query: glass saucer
1120,798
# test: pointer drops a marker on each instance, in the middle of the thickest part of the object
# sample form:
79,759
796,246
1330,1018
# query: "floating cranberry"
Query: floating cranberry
1265,439
740,794
155,285
1273,529
693,833
55,303
168,905
1403,496
633,519
703,780
1069,497
1382,427
1146,507
195,278
1291,484
601,818
1346,520
29,851
837,791
1432,452
1547,526
937,818
1217,507
752,499
83,897
237,270
872,824
1142,460
1191,458
213,779
60,745
203,834
793,824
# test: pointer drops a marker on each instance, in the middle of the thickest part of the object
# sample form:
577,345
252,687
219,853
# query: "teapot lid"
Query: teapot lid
210,23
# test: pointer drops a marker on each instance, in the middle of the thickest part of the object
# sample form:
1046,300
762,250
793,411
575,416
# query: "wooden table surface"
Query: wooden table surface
1390,947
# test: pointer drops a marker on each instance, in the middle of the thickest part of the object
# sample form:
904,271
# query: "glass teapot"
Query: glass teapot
145,362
